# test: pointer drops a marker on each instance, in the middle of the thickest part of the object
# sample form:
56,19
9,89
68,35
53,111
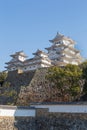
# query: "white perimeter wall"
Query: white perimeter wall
19,112
64,108
10,112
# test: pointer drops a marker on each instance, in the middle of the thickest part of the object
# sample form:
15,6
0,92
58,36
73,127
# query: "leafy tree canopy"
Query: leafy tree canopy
83,66
3,76
66,79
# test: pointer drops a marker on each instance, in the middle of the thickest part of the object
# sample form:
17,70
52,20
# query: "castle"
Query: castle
61,52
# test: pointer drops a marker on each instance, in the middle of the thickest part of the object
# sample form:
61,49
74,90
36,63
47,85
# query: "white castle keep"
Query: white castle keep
61,52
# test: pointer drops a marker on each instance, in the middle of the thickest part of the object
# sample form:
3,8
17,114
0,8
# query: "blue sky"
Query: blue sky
29,25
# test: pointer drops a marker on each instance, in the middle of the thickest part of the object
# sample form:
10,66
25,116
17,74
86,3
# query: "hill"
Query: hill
25,87
33,86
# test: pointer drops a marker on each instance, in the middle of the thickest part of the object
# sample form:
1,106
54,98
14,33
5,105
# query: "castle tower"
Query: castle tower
39,60
63,51
42,57
16,62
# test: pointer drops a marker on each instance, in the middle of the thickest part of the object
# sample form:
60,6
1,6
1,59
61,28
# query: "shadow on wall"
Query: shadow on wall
28,118
24,118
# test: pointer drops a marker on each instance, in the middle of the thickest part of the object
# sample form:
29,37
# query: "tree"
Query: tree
65,79
83,66
73,75
56,76
3,76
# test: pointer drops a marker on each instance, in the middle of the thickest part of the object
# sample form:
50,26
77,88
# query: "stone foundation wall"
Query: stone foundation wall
45,120
17,123
52,122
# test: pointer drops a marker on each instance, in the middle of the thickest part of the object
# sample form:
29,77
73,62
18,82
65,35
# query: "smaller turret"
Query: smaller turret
17,61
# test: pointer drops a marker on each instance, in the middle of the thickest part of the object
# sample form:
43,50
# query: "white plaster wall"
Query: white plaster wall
21,58
71,45
64,108
45,61
51,108
66,42
43,55
17,113
72,52
42,65
74,63
65,61
68,56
